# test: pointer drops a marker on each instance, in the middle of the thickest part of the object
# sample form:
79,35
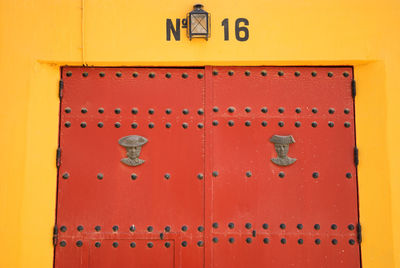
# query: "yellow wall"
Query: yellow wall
39,36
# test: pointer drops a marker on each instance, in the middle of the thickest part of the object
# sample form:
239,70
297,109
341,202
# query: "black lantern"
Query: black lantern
198,23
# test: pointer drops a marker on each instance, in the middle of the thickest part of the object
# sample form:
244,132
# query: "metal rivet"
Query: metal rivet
63,229
299,226
63,243
314,124
167,229
101,110
97,244
200,229
117,111
215,109
215,239
185,125
135,74
84,110
100,124
297,74
315,175
200,112
118,74
67,110
134,125
215,72
331,124
282,226
298,110
83,124
67,124
345,74
314,110
231,225
168,125
200,243
69,74
317,241
264,73
200,75
352,242
346,111
115,244
79,228
151,111
264,123
115,228
185,111
264,110
97,228
231,123
247,73
283,241
184,244
247,123
184,228
132,228
185,75
167,244
266,240
248,240
65,175
132,245
200,125
215,173
281,123
281,174
333,226
317,227
231,109
85,74
265,226
215,225
348,175
215,123
100,176
314,74
350,227
347,124
167,176
297,124
79,243
133,176
150,245
247,109
134,111
281,110
248,174
151,125
231,73
168,75
330,74
231,240
247,225
334,241
331,111
168,111
152,75
300,241
280,73
150,229
200,176
117,125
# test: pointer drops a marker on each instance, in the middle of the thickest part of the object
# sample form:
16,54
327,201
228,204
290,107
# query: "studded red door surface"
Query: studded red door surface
209,167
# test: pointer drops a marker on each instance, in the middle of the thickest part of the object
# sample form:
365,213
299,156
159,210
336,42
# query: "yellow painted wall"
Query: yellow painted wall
39,36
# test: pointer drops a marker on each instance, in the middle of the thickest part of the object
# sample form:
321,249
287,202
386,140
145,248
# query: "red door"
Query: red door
214,167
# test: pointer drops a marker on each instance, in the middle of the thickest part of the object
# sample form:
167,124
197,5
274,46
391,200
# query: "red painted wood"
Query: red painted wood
231,197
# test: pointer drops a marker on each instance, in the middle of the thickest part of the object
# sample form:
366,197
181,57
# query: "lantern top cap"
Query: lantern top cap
198,6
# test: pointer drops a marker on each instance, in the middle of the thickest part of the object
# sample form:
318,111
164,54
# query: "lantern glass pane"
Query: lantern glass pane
198,23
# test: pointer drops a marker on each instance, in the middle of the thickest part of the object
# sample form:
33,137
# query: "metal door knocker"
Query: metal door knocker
282,148
133,145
